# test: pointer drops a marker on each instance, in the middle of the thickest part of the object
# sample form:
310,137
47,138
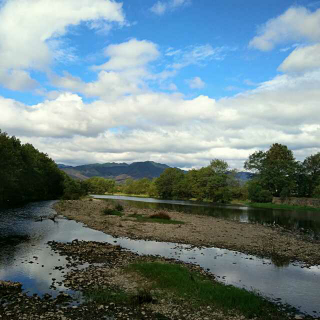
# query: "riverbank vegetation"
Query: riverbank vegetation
27,174
276,173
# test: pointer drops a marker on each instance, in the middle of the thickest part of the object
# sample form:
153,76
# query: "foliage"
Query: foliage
73,189
168,184
118,207
99,185
257,193
26,174
311,171
276,169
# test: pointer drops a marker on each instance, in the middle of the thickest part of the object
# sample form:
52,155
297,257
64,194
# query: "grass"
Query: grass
117,296
200,290
111,212
160,215
153,219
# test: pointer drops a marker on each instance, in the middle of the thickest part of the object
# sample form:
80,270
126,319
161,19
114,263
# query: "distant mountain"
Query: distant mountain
123,171
117,171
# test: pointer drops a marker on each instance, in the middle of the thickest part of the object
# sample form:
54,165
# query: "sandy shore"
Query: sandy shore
197,230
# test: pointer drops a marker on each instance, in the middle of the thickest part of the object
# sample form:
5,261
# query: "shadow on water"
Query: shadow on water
304,222
33,263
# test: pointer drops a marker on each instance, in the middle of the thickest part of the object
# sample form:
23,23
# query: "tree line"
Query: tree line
276,173
27,174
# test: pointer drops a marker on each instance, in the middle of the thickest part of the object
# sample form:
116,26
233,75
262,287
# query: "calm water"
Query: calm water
23,240
307,222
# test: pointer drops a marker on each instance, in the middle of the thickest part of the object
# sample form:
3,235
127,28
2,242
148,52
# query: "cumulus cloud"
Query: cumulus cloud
195,83
170,129
162,7
130,54
302,59
124,73
297,23
28,45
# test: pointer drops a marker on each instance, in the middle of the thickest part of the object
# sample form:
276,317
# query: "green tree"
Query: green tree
311,170
167,182
100,185
276,169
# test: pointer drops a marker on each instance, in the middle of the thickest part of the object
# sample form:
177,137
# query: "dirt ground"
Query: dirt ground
275,243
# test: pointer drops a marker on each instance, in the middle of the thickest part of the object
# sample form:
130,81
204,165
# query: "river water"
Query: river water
26,257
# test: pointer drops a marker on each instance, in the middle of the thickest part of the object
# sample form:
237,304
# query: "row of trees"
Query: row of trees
215,182
279,174
29,175
276,173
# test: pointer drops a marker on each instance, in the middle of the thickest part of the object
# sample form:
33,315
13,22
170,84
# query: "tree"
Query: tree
311,170
100,185
276,169
168,181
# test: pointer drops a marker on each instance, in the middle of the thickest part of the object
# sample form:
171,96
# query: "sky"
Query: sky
178,82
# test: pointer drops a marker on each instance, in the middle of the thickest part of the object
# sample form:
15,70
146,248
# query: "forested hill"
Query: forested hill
117,171
122,171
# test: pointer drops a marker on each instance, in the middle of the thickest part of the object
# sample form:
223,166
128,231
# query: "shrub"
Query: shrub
160,215
118,207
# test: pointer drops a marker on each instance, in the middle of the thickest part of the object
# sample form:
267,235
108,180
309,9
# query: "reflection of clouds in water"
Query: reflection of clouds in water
294,285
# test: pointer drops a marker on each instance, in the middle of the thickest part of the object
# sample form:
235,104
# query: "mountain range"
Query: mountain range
122,171
118,171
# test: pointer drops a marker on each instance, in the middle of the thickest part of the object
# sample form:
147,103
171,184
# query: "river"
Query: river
26,257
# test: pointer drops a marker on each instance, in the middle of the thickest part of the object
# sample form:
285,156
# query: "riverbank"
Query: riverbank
117,284
275,243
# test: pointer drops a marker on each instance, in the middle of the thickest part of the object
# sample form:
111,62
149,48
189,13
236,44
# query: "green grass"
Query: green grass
117,296
141,218
203,291
111,212
280,206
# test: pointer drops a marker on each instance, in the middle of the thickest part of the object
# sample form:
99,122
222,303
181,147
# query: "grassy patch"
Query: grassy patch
111,212
160,215
280,206
152,219
202,291
119,297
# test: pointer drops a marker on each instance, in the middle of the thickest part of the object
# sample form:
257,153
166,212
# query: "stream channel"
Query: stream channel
25,257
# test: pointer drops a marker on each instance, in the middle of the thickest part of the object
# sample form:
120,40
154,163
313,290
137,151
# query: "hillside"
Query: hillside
123,171
117,171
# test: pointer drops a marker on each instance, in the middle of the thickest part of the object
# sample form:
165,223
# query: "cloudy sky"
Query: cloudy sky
173,81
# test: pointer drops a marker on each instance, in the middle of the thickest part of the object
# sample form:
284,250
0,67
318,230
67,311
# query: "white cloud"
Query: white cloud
159,8
162,7
196,83
130,54
17,80
297,23
124,73
170,129
302,59
28,29
198,55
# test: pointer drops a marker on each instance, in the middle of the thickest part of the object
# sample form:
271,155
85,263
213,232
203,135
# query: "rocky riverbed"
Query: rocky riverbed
197,230
126,294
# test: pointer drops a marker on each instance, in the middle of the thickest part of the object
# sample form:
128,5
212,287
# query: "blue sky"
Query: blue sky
174,81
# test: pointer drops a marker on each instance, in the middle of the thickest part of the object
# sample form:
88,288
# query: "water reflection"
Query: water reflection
34,264
307,222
